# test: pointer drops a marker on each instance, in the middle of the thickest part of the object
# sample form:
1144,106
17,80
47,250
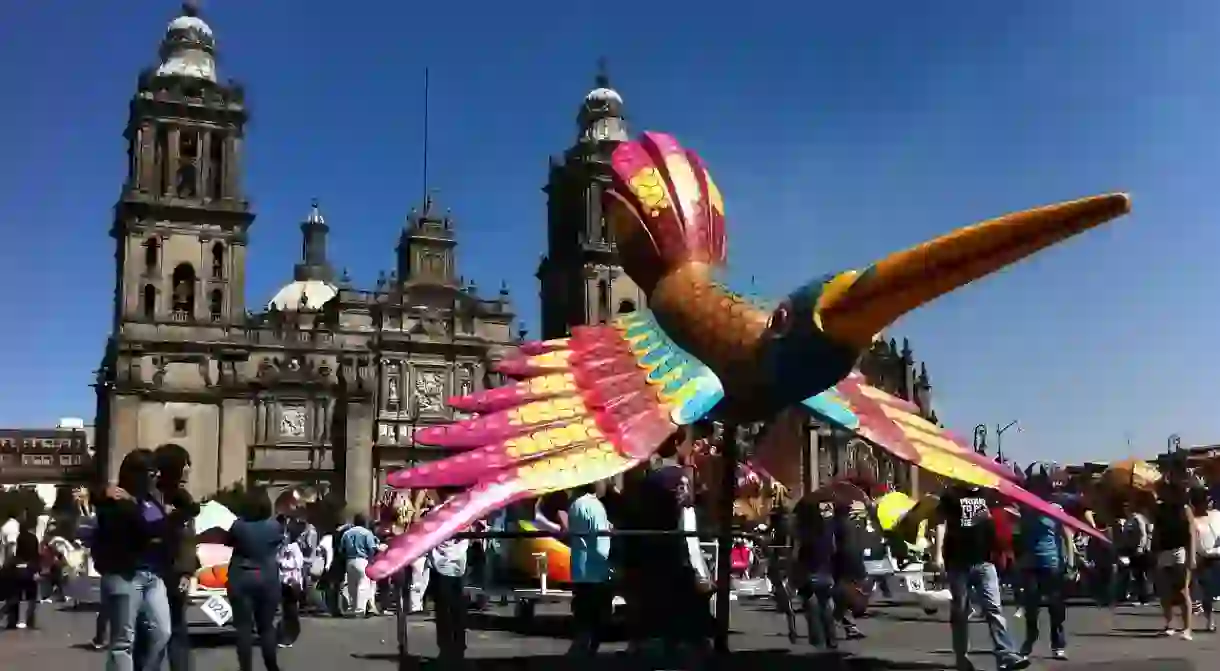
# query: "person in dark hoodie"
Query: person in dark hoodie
131,554
174,466
20,573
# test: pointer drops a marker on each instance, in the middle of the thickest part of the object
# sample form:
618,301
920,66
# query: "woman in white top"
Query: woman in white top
292,579
1207,537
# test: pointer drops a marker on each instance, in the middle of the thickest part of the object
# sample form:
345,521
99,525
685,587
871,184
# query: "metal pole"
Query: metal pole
729,455
999,438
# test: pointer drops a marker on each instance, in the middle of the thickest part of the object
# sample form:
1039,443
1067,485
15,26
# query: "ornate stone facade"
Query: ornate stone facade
324,386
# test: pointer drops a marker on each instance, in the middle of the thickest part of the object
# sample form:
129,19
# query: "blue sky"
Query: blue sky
837,134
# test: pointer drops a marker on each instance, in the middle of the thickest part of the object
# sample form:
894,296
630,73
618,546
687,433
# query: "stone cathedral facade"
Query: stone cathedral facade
325,383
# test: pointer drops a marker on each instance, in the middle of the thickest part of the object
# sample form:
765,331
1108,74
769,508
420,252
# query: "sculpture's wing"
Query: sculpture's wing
893,425
586,408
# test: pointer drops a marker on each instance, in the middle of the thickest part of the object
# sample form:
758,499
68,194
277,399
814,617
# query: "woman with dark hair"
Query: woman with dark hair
174,466
130,553
254,577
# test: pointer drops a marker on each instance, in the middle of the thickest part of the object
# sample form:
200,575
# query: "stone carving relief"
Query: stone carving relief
429,392
292,421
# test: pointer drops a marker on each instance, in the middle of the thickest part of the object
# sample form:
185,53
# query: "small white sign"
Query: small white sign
914,583
218,610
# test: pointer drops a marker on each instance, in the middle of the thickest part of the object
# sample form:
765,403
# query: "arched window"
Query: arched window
218,260
148,302
152,249
216,302
626,306
184,291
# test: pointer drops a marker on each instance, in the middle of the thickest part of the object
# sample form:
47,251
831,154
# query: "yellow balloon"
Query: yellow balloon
891,508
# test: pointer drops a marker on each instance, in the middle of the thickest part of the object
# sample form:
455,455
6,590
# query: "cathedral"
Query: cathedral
325,384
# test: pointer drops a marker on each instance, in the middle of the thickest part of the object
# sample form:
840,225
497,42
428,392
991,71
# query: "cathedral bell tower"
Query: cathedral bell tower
580,279
180,223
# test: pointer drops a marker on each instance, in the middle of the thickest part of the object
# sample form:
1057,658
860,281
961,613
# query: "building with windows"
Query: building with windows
54,456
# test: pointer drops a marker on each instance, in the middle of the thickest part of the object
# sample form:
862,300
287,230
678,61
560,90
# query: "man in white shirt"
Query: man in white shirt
447,563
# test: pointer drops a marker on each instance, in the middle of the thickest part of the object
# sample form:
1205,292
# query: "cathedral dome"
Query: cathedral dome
303,296
189,47
604,94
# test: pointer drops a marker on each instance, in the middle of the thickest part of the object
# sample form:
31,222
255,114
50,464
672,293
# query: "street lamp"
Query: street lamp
999,438
980,439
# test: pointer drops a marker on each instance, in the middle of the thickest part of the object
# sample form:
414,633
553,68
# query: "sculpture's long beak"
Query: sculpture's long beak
854,306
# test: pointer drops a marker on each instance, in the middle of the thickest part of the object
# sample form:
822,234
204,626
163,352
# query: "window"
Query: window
148,302
48,443
65,460
216,167
179,427
218,260
160,181
152,249
28,459
184,291
216,301
603,301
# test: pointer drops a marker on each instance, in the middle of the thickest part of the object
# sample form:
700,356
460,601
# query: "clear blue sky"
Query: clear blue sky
836,135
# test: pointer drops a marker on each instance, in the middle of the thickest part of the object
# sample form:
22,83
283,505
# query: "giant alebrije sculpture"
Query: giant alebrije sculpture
601,401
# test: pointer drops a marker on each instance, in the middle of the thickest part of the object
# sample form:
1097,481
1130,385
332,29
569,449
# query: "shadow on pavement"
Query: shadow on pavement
548,625
771,660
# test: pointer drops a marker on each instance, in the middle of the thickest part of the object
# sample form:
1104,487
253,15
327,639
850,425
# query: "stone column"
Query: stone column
236,421
358,478
124,431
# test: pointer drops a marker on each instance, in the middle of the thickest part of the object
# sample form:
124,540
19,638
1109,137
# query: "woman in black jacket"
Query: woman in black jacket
130,551
20,574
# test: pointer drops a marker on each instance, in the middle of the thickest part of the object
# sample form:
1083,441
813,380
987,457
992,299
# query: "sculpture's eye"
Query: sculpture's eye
781,320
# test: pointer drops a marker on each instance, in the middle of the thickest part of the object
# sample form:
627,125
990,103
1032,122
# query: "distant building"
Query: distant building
56,456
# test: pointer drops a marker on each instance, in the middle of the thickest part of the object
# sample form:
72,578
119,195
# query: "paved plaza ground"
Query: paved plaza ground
900,637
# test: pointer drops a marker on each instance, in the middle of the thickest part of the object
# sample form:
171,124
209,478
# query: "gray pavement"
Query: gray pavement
900,637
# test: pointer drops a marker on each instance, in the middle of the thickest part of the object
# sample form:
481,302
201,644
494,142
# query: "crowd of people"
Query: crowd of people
1164,544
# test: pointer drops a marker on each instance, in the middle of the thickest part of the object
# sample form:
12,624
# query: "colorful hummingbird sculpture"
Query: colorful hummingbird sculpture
601,401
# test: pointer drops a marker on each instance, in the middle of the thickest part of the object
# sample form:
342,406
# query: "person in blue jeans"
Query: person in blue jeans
964,542
816,545
131,553
1047,556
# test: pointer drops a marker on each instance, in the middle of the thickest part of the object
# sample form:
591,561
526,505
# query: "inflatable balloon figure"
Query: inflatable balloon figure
601,401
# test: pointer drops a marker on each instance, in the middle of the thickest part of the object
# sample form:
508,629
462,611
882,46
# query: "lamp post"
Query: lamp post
999,438
1173,458
980,439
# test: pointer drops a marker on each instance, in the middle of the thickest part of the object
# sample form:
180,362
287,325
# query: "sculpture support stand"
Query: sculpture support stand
728,484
